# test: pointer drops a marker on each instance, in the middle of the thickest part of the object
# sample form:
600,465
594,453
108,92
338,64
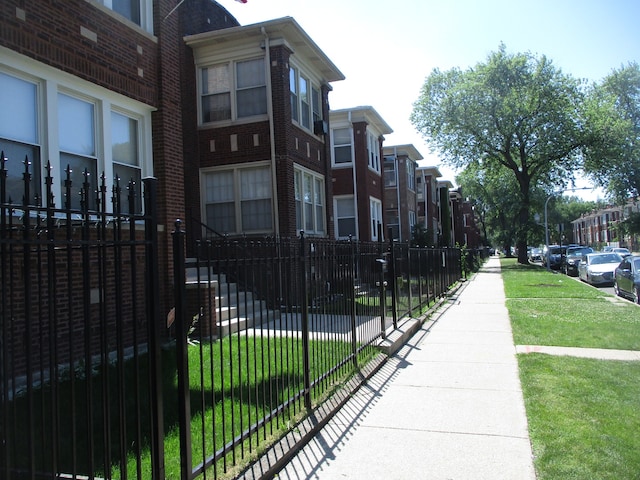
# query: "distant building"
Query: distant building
357,135
400,190
428,204
597,228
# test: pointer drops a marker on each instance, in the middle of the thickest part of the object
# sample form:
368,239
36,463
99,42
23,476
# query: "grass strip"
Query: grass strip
583,414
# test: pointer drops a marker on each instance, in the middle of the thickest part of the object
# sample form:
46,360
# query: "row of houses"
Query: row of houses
234,122
599,228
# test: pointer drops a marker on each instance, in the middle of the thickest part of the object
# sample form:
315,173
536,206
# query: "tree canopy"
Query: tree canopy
514,112
612,158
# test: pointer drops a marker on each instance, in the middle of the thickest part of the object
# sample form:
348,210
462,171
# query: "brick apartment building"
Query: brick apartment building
400,189
428,201
261,147
231,120
357,135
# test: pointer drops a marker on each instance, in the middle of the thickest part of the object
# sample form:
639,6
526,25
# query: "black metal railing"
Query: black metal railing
267,327
91,384
79,335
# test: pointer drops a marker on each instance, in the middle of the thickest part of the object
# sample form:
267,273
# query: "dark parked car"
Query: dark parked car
554,255
572,259
627,278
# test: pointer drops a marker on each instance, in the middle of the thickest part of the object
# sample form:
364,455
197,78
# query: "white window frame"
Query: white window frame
338,214
387,173
310,203
50,82
237,196
233,89
373,146
375,209
335,145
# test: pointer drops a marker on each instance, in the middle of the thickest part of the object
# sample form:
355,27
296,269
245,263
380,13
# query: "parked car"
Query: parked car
627,278
535,255
622,251
598,268
572,259
553,256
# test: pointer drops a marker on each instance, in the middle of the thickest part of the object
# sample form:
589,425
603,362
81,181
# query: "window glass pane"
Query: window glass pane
318,192
221,217
252,101
216,79
342,154
316,104
305,110
341,136
251,73
128,8
18,115
294,97
345,207
216,97
256,215
219,187
76,125
15,153
127,175
308,204
298,197
255,183
124,139
79,165
216,107
346,227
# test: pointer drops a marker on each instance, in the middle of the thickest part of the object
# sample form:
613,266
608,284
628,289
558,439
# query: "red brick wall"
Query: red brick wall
51,34
41,313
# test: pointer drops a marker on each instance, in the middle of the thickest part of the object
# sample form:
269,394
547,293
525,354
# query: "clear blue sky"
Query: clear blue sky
387,49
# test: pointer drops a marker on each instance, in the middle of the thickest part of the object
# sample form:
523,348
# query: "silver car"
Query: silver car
598,268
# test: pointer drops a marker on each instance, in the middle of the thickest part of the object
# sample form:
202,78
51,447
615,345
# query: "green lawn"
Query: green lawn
583,414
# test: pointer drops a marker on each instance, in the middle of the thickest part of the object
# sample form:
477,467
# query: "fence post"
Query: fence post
184,400
382,284
394,281
153,316
305,322
354,330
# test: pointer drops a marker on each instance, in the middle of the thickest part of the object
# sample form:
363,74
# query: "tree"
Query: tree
612,158
513,112
492,193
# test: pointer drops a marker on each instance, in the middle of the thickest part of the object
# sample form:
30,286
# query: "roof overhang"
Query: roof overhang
281,31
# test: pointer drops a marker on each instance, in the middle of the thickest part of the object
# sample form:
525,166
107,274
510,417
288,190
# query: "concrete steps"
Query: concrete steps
236,309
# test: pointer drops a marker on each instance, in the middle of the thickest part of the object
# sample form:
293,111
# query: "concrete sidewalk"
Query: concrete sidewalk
447,405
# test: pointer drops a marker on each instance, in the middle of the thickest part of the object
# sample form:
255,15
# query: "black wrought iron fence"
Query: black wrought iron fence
267,327
91,384
78,375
